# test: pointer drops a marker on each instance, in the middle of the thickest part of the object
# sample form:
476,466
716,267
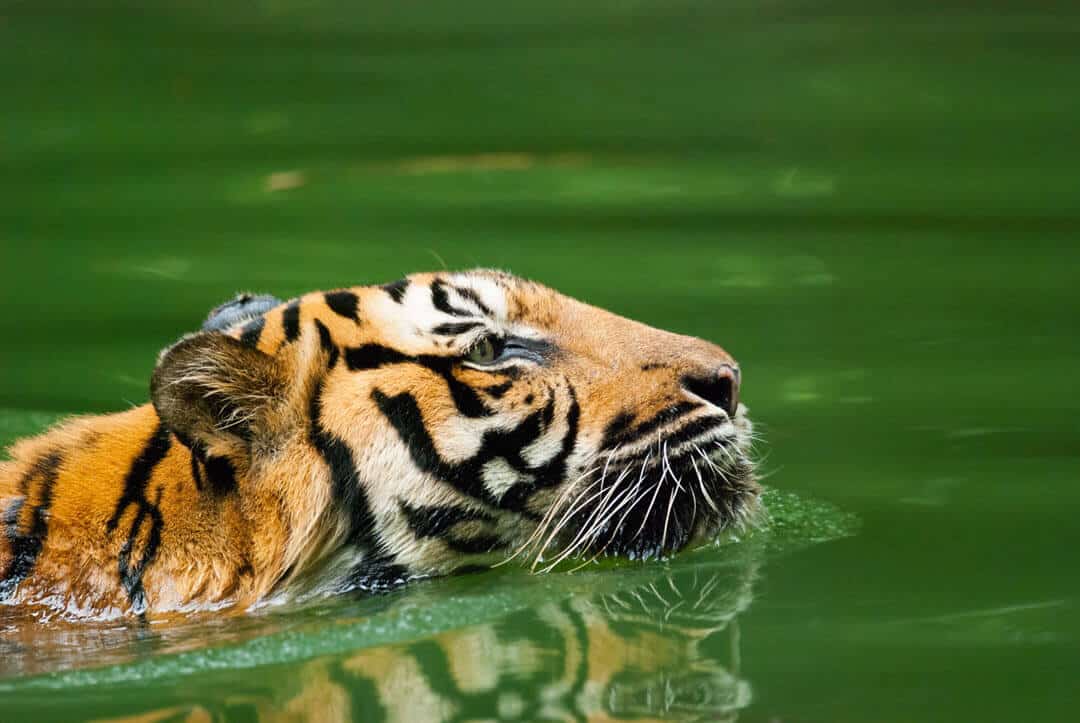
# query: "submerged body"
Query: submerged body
359,438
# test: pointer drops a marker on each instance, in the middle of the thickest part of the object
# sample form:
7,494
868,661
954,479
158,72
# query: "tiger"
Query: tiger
356,439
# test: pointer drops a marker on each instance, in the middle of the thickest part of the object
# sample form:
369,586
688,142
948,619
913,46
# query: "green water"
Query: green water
874,205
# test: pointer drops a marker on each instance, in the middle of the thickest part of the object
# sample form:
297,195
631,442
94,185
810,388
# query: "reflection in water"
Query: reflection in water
622,656
663,648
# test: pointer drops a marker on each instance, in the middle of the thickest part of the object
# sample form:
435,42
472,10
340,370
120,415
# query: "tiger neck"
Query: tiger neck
181,528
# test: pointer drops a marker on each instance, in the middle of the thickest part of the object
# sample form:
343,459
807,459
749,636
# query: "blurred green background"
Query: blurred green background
874,205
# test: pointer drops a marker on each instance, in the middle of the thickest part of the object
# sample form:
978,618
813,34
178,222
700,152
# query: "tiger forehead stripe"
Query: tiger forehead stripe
440,299
469,297
396,289
345,303
472,296
284,323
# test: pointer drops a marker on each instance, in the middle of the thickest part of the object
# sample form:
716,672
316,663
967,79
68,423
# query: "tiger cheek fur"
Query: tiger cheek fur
359,438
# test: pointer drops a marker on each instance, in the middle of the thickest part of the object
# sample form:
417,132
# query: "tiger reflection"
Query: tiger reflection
664,650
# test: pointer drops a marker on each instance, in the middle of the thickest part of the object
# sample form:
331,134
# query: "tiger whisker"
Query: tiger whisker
590,528
656,592
637,596
701,483
707,590
573,508
770,473
626,496
570,489
577,503
667,517
638,496
720,473
726,451
652,502
670,610
671,584
550,514
671,501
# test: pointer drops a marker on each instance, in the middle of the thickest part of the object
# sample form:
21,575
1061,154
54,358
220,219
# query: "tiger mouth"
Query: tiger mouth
657,498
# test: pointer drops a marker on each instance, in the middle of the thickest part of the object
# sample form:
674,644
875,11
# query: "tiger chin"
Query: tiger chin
359,438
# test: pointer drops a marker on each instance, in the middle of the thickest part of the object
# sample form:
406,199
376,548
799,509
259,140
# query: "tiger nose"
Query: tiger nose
719,387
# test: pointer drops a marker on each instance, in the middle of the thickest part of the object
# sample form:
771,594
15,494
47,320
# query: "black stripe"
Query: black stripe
694,429
554,471
396,289
252,330
404,414
373,356
548,415
196,473
327,343
465,398
441,300
290,320
475,545
139,474
466,476
436,520
131,573
616,429
472,296
619,432
350,495
344,303
138,477
26,547
375,576
497,391
221,474
453,329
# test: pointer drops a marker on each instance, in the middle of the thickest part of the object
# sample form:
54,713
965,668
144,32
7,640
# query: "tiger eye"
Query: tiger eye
483,352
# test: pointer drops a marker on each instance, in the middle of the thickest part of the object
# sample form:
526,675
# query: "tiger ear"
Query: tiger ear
209,388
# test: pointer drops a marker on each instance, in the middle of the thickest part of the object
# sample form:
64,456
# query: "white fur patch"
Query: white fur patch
499,477
548,444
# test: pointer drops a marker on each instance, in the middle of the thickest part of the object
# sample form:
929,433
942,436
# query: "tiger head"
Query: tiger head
449,420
